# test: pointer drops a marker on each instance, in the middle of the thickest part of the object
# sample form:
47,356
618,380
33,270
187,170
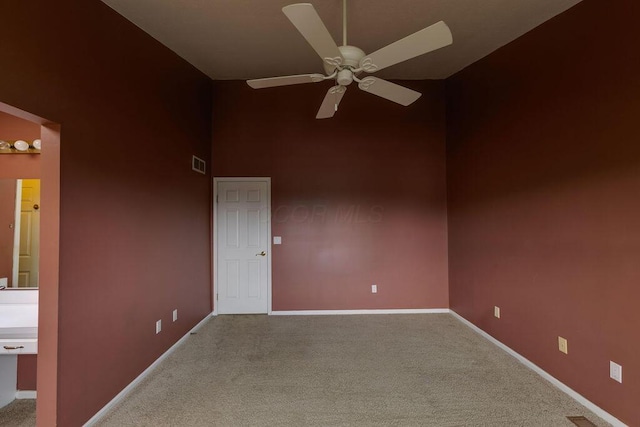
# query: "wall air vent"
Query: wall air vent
581,421
199,165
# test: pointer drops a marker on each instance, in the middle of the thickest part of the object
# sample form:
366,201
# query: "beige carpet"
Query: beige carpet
19,413
380,370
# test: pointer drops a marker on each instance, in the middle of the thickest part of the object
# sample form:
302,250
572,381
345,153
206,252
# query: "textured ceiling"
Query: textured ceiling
242,39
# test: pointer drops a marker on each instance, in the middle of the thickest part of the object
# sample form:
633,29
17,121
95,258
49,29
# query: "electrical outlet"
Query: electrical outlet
374,289
496,311
158,326
563,345
615,371
175,314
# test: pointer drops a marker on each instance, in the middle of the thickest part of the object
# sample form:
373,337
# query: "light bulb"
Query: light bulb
21,145
37,144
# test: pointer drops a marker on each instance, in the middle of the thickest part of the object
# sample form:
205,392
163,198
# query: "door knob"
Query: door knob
36,206
263,253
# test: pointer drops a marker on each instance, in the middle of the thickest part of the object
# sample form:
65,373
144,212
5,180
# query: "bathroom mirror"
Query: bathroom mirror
19,233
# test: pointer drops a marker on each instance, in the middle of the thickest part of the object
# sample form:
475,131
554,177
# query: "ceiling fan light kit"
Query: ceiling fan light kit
345,63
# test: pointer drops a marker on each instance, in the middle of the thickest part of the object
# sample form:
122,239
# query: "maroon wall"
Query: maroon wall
20,165
27,372
358,199
134,228
13,128
543,184
14,166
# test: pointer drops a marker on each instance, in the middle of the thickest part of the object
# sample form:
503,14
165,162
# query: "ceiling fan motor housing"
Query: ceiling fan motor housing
351,57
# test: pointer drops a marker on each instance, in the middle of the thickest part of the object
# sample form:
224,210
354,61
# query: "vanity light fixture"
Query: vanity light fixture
20,146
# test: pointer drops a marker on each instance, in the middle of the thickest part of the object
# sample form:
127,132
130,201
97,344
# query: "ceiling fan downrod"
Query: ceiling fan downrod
345,72
344,22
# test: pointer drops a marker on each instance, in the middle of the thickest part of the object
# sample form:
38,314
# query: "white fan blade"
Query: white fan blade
424,41
285,81
331,101
388,90
308,22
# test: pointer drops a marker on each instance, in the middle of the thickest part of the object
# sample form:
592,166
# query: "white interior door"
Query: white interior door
242,247
29,234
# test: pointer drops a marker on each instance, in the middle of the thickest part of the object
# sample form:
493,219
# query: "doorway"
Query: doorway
49,173
242,249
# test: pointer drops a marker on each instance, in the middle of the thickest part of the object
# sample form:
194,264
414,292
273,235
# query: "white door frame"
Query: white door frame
16,235
216,180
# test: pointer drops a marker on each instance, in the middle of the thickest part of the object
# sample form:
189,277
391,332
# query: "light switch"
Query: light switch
277,240
4,282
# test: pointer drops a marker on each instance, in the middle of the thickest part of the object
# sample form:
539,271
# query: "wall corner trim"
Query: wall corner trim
366,311
125,391
544,374
26,394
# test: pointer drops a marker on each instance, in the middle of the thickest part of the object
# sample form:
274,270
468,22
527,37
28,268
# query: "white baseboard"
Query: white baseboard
102,412
26,394
544,374
349,312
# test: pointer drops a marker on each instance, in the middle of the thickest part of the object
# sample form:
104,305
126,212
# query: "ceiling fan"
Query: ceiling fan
345,63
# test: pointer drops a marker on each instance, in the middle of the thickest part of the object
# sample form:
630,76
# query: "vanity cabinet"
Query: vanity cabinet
18,335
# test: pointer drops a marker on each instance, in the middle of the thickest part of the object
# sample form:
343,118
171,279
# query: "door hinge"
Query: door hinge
217,196
217,297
